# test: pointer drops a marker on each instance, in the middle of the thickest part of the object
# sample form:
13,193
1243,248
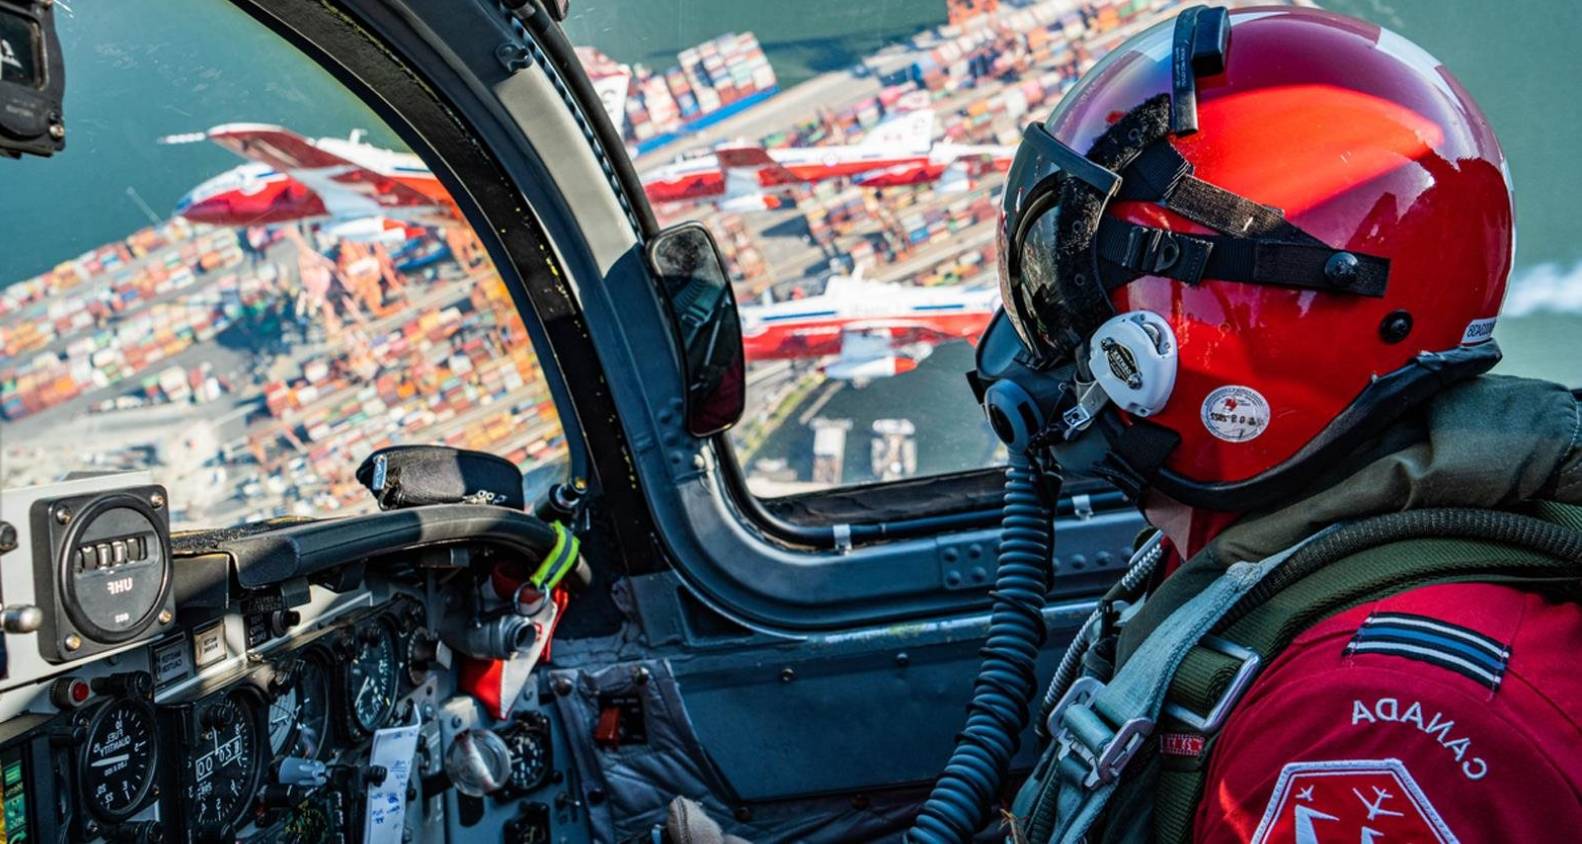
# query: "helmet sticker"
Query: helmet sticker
1478,331
1235,413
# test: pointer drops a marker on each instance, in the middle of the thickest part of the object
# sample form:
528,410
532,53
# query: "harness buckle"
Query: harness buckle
1112,761
1210,723
1080,691
1106,762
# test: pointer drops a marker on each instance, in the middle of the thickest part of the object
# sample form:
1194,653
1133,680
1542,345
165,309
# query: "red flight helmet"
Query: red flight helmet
1288,227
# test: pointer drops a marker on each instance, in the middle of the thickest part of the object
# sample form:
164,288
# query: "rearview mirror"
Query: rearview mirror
697,290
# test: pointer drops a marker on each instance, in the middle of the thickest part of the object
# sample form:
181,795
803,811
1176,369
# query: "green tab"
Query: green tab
559,561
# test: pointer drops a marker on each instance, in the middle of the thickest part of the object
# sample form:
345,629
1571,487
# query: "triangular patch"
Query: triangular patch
1349,800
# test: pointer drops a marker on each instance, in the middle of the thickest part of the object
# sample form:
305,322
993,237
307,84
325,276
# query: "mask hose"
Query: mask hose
1007,678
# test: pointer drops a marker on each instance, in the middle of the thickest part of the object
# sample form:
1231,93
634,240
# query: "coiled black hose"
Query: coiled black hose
1007,678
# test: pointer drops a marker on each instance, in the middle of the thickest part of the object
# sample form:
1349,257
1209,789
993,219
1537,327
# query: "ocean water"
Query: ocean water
140,69
137,70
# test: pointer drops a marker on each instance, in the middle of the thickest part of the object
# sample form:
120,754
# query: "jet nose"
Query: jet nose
200,210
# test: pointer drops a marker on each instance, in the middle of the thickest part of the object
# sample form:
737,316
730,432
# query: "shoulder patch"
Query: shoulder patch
1368,800
1450,646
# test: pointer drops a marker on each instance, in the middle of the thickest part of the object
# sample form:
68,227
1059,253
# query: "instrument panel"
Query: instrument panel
164,692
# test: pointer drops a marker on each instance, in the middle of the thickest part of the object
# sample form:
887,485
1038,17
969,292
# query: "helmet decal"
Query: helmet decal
1235,413
1478,331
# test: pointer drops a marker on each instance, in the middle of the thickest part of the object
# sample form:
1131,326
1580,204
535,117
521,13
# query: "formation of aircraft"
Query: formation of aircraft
355,190
900,151
871,329
358,191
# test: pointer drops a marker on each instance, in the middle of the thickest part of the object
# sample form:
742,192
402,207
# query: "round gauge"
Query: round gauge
119,758
224,765
313,710
284,710
422,648
372,678
529,759
114,568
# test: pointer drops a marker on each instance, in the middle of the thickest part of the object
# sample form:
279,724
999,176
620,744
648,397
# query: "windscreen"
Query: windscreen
238,278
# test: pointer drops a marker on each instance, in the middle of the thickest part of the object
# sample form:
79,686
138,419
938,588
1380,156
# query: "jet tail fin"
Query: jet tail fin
911,131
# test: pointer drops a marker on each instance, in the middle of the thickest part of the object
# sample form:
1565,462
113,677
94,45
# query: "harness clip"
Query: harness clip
1210,723
1109,759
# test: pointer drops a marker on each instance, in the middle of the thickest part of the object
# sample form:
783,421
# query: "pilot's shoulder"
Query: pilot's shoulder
1456,696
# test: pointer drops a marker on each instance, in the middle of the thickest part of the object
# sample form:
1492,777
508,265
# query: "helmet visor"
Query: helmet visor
1029,238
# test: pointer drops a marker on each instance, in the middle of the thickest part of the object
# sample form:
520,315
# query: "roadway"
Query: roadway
832,91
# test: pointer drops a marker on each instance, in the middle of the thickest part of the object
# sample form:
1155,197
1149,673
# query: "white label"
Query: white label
170,662
1478,331
393,748
1235,413
208,645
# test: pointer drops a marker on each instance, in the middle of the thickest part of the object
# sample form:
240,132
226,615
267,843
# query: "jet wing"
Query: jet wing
878,351
894,333
347,188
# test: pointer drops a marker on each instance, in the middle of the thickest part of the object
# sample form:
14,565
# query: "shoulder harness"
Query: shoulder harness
1194,665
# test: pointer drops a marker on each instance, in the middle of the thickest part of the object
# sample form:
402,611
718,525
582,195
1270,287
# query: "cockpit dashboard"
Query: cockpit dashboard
289,684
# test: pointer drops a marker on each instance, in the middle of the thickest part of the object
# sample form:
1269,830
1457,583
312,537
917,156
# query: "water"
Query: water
800,38
156,67
137,70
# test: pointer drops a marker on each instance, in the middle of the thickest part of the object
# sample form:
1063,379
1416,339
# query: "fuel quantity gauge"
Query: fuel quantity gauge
119,758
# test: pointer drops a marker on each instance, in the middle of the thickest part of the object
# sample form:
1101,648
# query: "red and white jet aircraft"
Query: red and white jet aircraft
873,329
357,190
900,151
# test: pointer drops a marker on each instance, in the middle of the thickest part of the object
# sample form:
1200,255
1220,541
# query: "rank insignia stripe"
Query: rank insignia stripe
1449,646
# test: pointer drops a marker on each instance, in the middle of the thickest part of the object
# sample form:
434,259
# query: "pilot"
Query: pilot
1257,259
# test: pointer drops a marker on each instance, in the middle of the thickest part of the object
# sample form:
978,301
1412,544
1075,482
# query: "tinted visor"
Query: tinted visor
1029,238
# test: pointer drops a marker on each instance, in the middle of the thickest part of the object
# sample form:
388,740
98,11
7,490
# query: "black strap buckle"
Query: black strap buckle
1158,252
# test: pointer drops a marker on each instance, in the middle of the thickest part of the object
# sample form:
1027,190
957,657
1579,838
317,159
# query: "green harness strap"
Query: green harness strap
1207,678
